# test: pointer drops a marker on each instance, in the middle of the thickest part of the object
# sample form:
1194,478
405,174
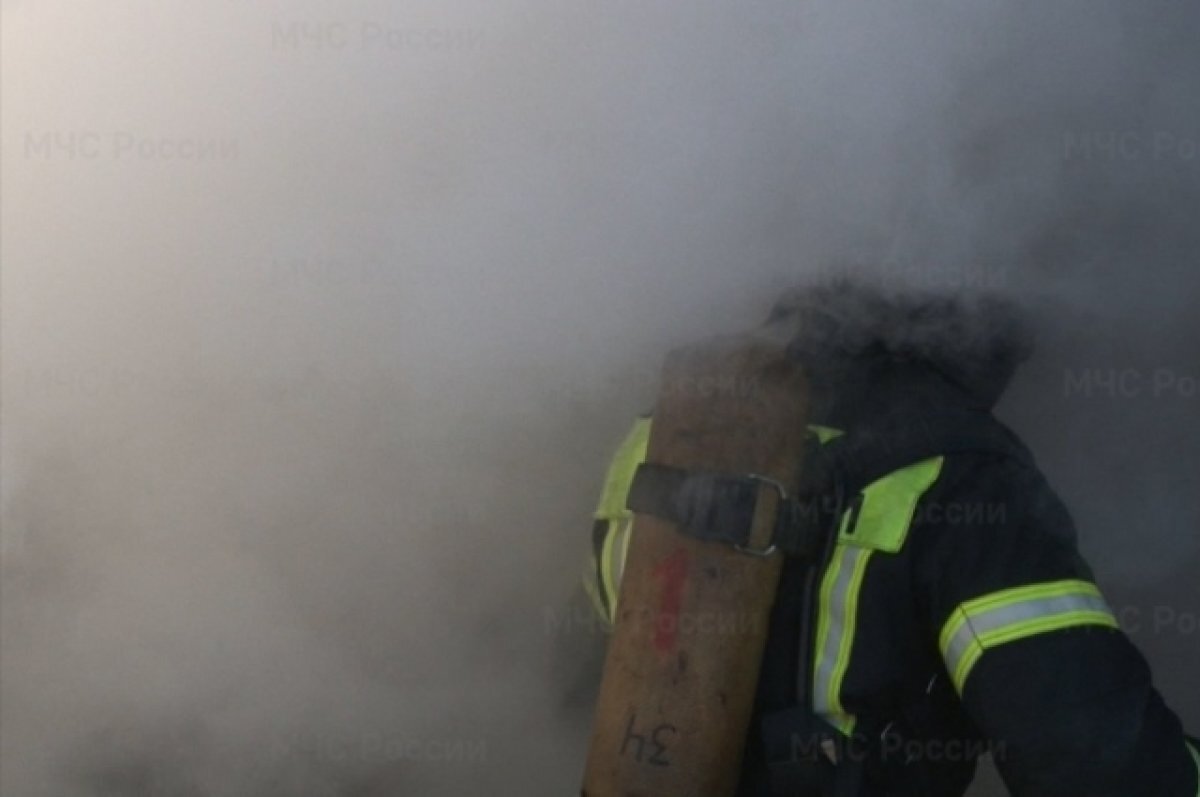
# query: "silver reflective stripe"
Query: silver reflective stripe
835,632
1016,614
984,624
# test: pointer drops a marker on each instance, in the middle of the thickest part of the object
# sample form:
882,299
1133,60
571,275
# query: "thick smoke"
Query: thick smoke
320,322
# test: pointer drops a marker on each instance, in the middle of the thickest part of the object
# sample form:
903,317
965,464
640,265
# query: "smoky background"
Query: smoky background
319,324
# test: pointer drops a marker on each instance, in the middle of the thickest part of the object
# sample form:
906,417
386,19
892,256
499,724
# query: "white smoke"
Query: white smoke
320,322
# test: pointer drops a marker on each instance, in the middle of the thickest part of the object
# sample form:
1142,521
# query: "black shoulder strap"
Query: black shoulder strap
720,507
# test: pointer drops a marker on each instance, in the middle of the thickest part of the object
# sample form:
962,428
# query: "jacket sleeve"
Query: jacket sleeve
1033,649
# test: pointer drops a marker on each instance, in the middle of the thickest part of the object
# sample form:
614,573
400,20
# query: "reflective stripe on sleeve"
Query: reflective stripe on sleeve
1014,614
836,627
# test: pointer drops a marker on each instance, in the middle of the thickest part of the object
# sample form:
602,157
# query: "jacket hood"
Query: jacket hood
858,340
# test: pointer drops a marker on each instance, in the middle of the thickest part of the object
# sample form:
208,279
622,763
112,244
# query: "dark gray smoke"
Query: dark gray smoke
319,324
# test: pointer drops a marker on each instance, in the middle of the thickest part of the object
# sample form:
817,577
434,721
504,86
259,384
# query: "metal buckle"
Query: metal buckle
771,549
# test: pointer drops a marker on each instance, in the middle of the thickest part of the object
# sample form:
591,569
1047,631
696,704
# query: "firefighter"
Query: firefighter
951,614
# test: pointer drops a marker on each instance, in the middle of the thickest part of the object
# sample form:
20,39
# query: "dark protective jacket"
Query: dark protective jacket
954,617
981,628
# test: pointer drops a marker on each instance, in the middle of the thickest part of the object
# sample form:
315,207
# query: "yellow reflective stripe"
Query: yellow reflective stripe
836,628
1195,757
1013,614
630,454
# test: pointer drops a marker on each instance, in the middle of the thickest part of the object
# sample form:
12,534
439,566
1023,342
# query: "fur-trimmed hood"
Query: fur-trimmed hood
854,337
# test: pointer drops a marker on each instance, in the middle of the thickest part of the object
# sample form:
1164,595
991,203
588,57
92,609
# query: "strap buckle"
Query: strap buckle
781,507
719,507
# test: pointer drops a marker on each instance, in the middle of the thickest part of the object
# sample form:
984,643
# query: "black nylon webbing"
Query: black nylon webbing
709,506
